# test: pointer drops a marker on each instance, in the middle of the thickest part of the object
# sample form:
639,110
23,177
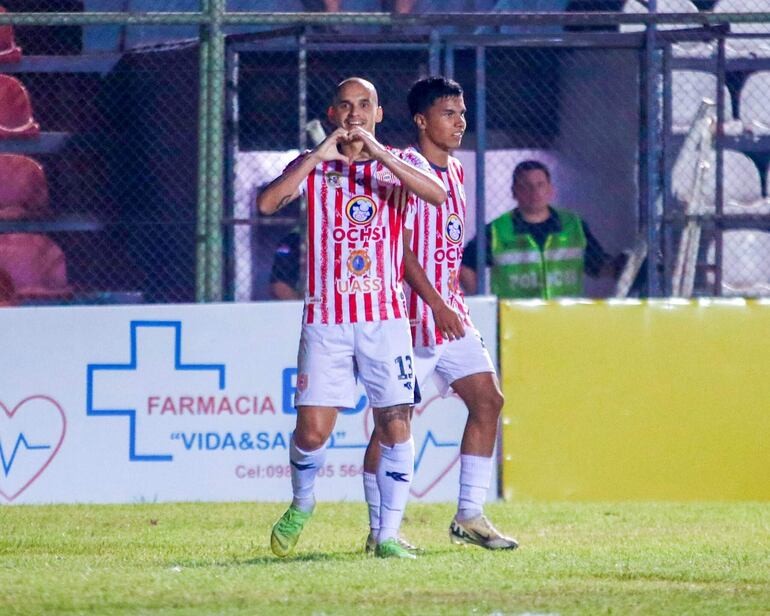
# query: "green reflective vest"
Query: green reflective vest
520,269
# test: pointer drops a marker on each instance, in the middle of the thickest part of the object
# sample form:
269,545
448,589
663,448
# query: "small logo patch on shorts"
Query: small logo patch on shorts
302,382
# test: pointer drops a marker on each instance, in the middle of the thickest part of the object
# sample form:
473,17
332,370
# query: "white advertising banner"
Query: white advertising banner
128,404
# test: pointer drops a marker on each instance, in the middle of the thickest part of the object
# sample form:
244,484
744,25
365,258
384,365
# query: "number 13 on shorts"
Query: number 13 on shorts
404,363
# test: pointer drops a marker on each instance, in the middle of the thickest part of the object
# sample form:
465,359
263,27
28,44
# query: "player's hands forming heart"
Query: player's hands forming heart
373,148
328,150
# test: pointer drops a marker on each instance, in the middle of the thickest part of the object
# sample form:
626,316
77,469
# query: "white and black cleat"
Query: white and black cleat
479,531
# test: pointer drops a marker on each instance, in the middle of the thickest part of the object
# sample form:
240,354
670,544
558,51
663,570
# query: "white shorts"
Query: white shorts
332,358
452,360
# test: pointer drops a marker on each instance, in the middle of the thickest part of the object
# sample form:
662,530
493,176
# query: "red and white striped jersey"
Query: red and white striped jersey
437,241
355,221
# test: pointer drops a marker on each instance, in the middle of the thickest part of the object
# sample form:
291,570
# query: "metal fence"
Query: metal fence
157,130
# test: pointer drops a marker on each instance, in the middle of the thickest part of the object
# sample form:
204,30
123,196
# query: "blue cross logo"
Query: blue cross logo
153,361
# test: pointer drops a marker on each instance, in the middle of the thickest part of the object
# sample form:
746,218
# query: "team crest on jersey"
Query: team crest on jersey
333,179
361,210
359,262
454,229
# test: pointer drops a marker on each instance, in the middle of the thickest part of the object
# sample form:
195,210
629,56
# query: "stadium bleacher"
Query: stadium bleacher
745,266
754,111
16,118
688,89
9,50
32,265
36,265
23,188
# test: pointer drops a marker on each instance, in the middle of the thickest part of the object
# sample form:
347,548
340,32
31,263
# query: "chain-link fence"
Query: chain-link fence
140,183
98,203
715,217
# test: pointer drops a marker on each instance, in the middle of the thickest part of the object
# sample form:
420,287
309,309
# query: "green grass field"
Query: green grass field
214,558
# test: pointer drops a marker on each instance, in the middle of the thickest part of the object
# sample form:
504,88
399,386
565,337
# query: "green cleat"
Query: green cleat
287,530
391,548
371,545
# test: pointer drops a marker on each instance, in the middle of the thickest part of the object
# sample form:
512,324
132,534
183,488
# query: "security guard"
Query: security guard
537,250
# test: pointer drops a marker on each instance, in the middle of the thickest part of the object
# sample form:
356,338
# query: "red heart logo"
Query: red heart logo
36,421
423,484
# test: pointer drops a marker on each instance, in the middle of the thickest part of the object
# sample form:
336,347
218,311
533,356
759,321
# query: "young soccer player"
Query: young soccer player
355,320
446,345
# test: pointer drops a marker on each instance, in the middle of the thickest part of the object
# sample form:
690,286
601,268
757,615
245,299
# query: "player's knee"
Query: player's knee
487,409
310,439
496,402
393,423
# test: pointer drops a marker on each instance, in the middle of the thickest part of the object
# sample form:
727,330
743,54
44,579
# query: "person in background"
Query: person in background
538,250
284,274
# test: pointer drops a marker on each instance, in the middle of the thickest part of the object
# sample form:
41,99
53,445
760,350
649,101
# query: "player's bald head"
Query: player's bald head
343,85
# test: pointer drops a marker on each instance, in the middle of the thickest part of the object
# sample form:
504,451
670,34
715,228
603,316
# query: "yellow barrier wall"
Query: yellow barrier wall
658,400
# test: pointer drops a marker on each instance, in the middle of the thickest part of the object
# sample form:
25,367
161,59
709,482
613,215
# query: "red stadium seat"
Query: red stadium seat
23,188
15,110
36,265
7,290
9,51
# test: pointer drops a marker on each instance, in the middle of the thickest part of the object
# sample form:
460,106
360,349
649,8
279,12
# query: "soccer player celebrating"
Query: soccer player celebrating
355,321
446,345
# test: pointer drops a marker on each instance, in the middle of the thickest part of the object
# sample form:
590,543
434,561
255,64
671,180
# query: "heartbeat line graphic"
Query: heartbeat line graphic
429,438
21,440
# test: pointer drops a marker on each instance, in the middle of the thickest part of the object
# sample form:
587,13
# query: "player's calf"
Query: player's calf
395,469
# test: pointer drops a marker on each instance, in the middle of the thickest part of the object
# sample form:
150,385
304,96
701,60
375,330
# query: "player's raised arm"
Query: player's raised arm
419,182
286,187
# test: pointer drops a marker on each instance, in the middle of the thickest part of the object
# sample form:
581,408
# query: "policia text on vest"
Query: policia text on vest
541,260
522,269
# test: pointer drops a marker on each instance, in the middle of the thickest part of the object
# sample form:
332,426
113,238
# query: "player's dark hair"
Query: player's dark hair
427,91
530,165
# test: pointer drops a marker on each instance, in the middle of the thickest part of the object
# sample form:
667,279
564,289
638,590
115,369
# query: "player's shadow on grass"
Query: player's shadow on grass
269,559
303,557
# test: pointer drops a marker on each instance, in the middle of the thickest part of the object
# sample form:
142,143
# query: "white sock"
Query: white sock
475,476
372,495
304,467
394,476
